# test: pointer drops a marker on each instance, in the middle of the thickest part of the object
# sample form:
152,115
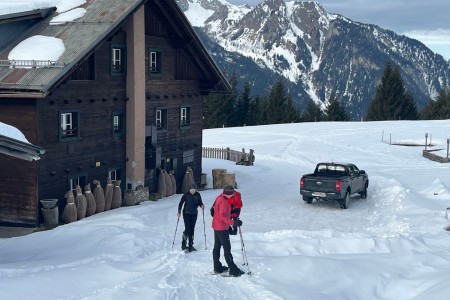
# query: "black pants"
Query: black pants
189,226
222,239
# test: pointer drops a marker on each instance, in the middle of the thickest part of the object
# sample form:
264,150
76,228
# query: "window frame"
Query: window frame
185,116
74,125
122,59
155,65
120,116
74,180
161,115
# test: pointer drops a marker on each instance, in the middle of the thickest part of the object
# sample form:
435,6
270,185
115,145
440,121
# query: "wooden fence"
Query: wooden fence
434,157
239,157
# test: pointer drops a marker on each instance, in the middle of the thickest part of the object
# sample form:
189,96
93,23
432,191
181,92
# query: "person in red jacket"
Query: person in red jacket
220,223
236,204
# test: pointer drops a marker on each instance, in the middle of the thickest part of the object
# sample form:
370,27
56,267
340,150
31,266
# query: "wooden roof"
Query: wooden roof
80,38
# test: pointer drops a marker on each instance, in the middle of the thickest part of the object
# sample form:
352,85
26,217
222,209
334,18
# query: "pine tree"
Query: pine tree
438,109
277,103
312,113
392,101
219,108
291,114
335,111
241,109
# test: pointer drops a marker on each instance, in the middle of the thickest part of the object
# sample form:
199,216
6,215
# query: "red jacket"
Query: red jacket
222,210
236,204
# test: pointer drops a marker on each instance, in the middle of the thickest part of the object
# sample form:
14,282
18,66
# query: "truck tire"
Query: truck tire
345,201
364,192
307,199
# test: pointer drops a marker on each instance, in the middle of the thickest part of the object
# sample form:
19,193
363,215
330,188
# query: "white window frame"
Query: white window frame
183,116
159,120
117,59
67,124
113,175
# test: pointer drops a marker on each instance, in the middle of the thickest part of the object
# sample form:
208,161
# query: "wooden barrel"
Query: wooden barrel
51,216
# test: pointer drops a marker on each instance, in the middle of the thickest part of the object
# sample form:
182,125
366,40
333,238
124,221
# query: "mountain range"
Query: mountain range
316,53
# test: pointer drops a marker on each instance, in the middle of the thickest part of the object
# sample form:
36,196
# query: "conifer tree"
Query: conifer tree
241,109
392,101
276,103
218,109
312,113
438,109
335,111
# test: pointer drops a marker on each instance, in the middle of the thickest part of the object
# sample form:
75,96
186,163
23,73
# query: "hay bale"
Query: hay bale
99,196
91,206
117,195
69,214
168,184
108,194
81,203
188,179
174,183
162,187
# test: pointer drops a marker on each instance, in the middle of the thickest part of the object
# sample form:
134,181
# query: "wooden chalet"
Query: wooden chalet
123,100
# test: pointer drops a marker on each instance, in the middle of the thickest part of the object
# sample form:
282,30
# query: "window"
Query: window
75,180
118,59
69,121
115,174
155,62
185,116
161,118
118,124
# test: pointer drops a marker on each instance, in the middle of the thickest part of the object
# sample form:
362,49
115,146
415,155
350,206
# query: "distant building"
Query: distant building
123,100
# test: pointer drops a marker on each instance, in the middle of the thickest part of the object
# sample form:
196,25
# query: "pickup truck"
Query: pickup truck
334,181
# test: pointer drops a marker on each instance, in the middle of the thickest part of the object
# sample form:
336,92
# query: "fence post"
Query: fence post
426,140
228,154
448,141
250,157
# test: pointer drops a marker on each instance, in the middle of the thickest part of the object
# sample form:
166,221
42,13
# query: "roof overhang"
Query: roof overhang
19,149
26,15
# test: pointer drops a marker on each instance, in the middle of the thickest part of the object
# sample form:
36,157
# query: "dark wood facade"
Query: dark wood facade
95,94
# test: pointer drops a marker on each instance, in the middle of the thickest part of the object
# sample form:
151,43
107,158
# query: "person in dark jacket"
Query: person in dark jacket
190,201
220,223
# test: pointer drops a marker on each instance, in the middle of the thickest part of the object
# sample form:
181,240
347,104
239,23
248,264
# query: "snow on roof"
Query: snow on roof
9,7
12,132
38,47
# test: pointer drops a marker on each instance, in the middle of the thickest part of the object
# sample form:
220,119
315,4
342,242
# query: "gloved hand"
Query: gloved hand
237,223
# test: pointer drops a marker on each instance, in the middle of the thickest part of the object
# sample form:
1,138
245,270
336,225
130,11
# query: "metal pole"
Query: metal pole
173,243
204,230
244,253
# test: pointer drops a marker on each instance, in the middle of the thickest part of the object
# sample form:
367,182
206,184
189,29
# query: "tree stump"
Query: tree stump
218,178
229,179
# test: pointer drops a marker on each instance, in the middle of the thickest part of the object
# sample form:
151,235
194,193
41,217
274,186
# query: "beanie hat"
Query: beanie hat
228,190
193,186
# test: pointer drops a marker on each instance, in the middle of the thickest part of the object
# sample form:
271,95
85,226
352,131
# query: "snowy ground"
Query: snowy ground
391,245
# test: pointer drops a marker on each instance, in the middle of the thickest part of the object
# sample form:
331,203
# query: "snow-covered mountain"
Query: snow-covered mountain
318,53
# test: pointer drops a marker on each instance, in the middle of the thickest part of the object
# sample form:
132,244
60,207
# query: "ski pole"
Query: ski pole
244,253
173,243
204,229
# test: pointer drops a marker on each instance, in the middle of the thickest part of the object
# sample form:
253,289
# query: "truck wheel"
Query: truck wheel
345,201
307,199
364,192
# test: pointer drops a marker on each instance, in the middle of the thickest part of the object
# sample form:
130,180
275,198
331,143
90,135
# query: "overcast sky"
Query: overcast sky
427,21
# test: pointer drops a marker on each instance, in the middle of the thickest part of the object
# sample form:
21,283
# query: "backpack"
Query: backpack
211,210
